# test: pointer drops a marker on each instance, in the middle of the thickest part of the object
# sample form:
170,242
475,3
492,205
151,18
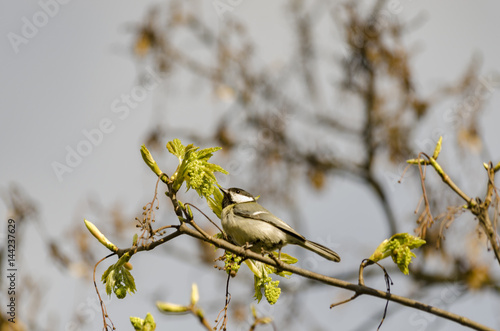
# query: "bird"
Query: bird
249,224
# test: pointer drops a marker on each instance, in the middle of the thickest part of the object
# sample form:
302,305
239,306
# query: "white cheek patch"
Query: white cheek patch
242,198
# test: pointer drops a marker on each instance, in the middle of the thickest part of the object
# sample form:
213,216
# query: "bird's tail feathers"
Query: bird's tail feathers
319,249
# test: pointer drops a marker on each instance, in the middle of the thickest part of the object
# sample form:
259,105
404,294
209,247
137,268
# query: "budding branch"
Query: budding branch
357,288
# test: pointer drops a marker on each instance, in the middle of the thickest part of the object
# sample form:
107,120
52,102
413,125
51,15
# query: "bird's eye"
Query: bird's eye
238,192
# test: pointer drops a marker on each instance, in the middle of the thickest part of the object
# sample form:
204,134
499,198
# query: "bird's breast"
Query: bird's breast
244,230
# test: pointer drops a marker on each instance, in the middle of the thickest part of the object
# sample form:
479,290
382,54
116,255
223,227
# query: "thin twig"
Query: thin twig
103,306
444,176
476,206
388,283
208,218
132,250
427,211
228,299
344,301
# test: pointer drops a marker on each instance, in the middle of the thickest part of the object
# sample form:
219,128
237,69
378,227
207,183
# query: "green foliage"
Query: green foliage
195,294
167,307
148,159
215,203
219,235
271,290
99,236
232,263
198,174
147,324
175,147
284,258
263,283
118,278
194,168
399,247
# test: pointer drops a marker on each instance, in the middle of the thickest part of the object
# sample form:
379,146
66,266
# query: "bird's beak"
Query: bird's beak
225,191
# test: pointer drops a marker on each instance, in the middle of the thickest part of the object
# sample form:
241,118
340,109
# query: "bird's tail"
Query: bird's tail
325,252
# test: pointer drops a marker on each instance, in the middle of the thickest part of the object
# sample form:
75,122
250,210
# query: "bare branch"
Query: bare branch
478,208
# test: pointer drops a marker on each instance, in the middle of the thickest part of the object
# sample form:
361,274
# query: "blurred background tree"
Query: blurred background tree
296,120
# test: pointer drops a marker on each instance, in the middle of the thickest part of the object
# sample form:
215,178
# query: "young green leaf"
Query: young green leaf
194,168
257,282
99,236
167,307
175,147
286,258
215,203
118,278
195,294
207,153
147,324
148,159
137,323
399,247
269,287
198,172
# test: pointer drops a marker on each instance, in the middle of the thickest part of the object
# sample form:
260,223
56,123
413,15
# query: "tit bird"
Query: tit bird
248,223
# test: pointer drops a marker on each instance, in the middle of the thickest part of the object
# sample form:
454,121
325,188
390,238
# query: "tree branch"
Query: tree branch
478,208
358,289
134,249
481,211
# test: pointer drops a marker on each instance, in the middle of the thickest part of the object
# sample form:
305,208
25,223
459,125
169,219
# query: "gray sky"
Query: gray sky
64,79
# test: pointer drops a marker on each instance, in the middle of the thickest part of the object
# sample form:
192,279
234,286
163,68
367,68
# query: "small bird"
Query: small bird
248,223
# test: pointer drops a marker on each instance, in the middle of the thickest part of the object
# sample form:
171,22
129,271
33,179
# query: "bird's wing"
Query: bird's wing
255,211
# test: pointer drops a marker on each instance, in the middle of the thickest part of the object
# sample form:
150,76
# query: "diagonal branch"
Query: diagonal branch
358,289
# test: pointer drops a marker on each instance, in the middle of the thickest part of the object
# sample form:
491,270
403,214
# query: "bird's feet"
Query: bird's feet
247,246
